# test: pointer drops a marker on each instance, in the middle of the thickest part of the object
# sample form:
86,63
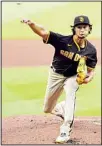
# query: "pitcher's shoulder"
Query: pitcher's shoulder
67,38
91,46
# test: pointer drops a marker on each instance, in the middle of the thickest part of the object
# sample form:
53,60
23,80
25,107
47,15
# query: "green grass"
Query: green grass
57,18
25,83
23,92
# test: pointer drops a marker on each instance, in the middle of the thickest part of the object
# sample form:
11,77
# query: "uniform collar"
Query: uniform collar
78,47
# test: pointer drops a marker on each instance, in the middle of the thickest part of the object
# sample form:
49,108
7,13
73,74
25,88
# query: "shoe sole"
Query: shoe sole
60,142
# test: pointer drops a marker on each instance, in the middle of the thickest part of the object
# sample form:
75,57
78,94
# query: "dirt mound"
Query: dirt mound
45,129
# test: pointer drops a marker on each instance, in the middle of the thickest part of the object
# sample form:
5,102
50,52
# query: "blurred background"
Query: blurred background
56,16
26,59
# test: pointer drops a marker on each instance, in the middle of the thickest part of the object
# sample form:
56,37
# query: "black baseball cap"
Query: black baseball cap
81,20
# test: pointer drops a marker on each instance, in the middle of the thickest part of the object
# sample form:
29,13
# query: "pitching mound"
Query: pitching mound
45,129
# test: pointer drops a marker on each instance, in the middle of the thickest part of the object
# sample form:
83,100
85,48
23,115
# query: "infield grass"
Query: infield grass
23,92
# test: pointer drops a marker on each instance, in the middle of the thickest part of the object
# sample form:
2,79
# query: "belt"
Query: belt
56,70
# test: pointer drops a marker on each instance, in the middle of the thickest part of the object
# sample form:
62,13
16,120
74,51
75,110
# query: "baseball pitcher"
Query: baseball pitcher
73,64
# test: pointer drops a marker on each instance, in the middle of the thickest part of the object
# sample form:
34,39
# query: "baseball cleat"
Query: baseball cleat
62,138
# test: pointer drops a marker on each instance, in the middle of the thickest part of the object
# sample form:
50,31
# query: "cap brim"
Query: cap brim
80,24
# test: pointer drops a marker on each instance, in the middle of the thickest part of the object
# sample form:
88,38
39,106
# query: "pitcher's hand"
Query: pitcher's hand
26,21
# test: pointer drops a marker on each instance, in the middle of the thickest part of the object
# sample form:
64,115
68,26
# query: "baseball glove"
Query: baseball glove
81,70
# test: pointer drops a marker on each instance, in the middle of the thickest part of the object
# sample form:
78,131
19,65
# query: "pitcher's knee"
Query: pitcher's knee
46,110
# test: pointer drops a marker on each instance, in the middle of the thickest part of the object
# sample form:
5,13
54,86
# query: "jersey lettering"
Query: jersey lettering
62,52
70,55
67,54
77,57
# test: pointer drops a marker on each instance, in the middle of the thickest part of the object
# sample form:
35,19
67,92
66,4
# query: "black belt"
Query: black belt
53,68
56,70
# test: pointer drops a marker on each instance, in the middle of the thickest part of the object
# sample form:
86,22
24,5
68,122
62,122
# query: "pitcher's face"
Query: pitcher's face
82,31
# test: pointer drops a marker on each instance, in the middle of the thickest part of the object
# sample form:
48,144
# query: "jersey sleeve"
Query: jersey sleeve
92,60
53,38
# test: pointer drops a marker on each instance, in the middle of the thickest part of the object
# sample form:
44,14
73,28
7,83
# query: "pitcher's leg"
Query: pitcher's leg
70,88
59,109
53,91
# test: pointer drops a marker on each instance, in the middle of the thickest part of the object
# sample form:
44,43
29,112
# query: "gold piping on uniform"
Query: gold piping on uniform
76,44
47,37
